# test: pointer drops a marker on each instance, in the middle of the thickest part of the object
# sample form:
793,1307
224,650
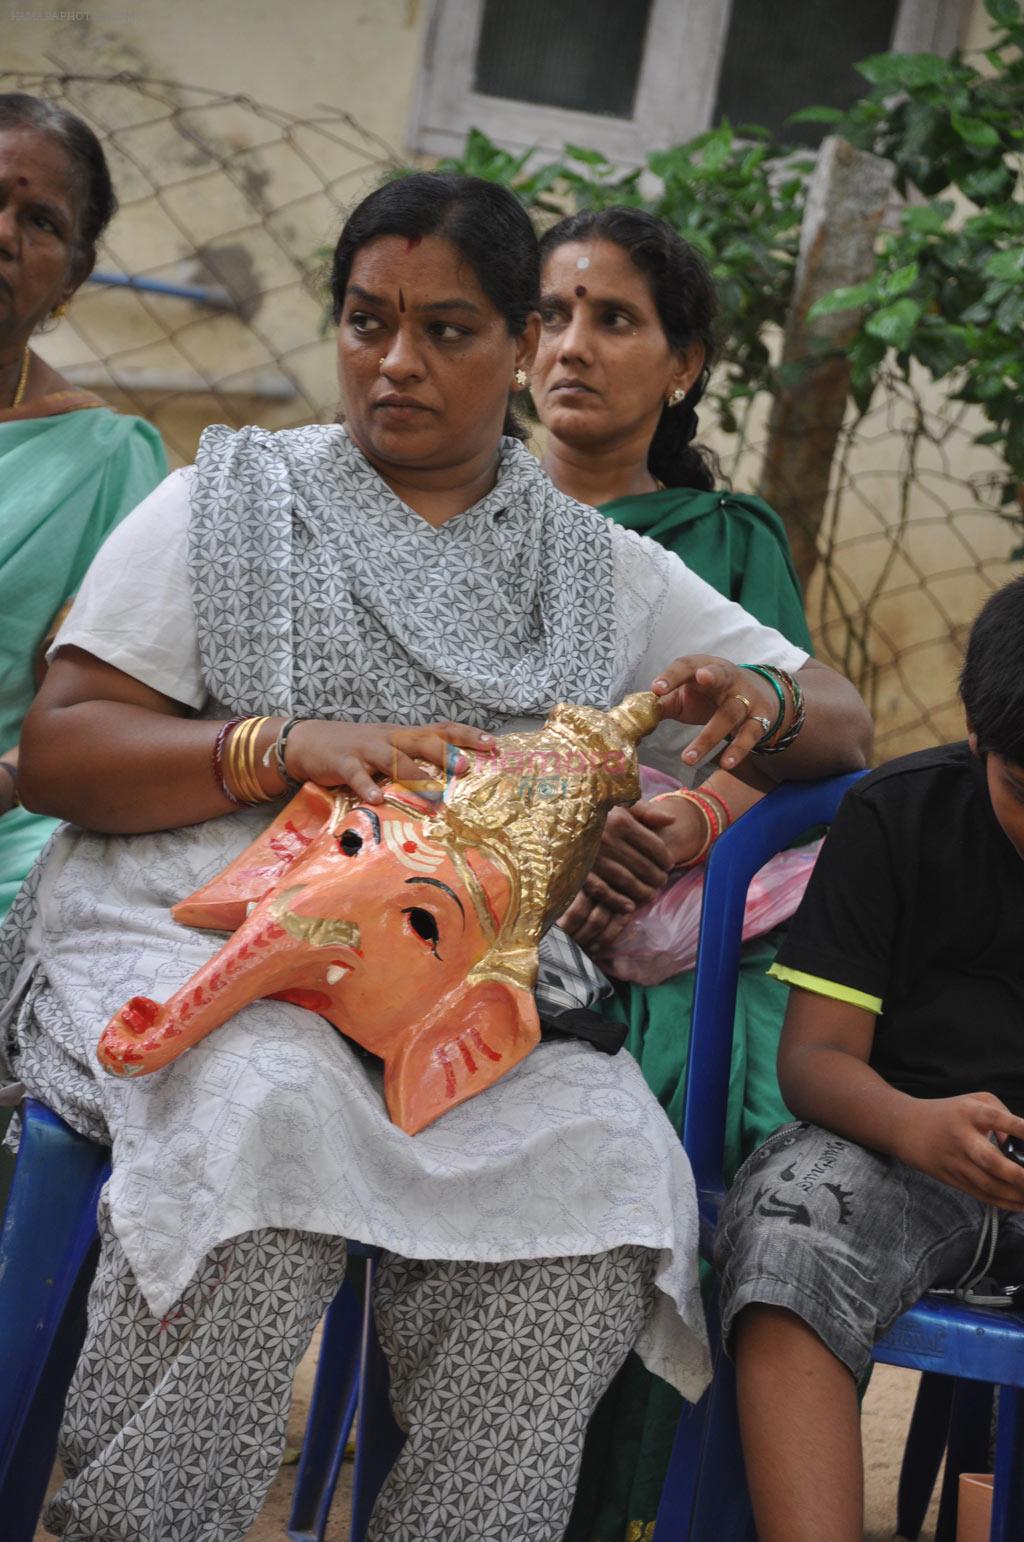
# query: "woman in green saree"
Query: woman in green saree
70,468
627,310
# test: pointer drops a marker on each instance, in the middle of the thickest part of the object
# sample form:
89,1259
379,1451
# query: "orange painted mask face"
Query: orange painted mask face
355,914
412,927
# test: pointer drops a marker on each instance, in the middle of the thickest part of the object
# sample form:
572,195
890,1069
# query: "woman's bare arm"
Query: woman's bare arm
108,753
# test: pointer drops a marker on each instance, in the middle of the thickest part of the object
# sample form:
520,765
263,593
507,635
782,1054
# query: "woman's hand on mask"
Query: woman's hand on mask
702,689
361,755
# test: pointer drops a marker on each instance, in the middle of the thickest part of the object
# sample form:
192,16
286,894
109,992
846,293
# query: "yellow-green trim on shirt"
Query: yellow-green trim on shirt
813,982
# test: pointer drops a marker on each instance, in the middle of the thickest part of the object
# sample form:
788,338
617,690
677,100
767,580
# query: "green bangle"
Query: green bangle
776,685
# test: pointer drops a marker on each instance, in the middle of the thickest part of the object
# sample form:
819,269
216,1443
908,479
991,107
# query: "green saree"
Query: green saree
738,545
70,470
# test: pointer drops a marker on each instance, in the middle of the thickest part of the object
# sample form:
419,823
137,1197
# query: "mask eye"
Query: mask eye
425,927
351,842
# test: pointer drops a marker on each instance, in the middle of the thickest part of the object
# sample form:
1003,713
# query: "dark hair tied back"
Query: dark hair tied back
95,202
486,224
684,297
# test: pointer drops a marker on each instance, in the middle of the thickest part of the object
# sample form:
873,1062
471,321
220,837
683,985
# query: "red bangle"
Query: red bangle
218,761
712,818
709,792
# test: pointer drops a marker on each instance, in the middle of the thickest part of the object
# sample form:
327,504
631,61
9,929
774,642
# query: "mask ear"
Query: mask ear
470,1039
221,905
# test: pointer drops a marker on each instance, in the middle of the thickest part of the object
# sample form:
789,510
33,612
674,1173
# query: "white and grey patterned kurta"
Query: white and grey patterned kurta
284,576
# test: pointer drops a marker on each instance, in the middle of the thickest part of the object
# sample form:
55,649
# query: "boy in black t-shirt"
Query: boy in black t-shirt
903,1050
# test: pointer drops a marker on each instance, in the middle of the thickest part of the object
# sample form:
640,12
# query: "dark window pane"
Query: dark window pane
779,58
580,54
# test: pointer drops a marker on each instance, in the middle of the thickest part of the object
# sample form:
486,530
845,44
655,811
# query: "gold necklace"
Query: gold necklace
19,389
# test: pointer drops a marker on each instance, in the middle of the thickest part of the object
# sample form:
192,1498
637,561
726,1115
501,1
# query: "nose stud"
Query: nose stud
381,361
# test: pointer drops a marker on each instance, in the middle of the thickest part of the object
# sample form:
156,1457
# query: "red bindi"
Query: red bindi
580,291
23,182
412,242
401,301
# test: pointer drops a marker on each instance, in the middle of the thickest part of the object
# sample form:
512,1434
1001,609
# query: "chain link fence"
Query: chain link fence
224,198
915,539
239,203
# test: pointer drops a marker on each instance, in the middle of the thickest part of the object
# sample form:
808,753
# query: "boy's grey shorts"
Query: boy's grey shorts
847,1239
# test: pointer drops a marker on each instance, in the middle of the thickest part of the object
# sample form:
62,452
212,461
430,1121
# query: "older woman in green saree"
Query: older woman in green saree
70,468
627,312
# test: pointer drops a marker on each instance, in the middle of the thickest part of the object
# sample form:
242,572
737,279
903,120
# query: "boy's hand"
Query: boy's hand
948,1138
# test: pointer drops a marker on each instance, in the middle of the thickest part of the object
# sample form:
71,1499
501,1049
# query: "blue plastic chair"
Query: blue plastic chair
351,1387
48,1251
705,1496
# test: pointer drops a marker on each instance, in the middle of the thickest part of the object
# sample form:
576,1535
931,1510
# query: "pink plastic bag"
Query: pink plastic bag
661,938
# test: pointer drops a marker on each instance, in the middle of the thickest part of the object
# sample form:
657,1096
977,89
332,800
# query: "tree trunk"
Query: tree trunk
846,199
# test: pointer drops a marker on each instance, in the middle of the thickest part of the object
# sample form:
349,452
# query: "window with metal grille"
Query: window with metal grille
582,55
779,58
629,76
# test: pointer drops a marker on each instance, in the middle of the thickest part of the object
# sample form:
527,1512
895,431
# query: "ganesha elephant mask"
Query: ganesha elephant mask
412,926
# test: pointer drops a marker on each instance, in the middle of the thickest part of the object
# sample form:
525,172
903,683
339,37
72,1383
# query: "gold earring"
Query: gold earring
59,311
676,398
521,377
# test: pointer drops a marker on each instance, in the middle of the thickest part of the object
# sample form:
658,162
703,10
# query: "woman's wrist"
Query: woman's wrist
783,728
247,763
700,818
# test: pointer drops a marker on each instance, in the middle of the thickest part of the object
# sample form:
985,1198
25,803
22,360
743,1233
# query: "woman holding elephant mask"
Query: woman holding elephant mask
413,566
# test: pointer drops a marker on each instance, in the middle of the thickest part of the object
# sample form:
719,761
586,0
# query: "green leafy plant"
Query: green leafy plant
948,288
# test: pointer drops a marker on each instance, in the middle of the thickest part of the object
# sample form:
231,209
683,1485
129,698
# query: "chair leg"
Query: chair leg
722,1500
331,1414
705,1492
1008,1494
378,1438
970,1423
922,1455
48,1232
32,1458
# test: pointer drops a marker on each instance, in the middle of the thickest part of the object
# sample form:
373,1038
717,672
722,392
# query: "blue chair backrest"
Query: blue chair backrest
772,825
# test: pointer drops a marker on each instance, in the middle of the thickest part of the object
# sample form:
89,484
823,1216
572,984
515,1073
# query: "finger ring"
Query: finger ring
737,697
766,727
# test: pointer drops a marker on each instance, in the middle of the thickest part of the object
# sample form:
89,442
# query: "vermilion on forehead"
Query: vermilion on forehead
608,268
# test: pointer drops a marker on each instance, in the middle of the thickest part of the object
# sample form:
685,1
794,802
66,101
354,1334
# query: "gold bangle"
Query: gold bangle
240,762
232,771
255,787
247,758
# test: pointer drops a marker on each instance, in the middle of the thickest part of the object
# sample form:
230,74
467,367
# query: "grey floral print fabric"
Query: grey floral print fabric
174,1425
318,592
523,1352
